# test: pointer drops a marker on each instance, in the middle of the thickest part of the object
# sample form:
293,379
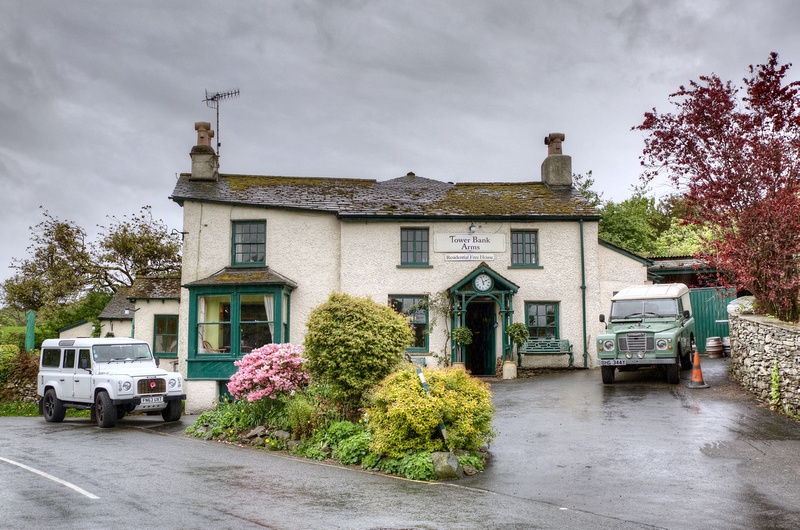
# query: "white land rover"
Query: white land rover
111,377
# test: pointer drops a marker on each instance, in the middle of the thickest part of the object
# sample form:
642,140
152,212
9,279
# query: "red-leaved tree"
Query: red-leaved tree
735,155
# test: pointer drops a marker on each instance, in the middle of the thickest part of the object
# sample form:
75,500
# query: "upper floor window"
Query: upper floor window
249,243
524,249
542,320
414,307
165,341
414,246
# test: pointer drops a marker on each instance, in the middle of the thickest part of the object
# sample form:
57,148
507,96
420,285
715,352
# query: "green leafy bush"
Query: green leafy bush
353,343
229,418
417,466
7,354
299,411
354,448
341,430
403,419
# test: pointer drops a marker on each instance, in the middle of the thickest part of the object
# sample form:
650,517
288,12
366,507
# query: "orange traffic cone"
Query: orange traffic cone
697,373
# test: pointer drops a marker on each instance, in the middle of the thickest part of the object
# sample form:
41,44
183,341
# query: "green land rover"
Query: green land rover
649,325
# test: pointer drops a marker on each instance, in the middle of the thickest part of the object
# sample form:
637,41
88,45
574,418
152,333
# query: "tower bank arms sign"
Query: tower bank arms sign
469,247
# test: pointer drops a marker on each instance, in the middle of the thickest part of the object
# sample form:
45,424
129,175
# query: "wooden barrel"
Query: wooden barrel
714,347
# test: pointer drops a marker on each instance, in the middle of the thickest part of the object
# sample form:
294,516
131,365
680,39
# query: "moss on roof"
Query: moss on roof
404,196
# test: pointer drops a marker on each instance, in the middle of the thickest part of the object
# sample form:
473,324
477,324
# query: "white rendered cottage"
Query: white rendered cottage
260,252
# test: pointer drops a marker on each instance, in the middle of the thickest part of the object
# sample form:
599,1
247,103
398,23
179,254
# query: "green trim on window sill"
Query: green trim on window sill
413,351
414,266
166,355
525,267
249,265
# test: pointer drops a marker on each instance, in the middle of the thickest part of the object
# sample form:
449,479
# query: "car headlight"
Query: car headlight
608,345
661,344
172,383
125,386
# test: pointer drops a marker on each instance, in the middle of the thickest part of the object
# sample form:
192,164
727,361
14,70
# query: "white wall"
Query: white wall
84,330
324,255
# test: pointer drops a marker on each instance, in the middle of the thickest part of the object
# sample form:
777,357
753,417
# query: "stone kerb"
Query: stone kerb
756,342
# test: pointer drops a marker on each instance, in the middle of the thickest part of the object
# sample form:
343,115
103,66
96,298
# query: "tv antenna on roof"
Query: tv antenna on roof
213,99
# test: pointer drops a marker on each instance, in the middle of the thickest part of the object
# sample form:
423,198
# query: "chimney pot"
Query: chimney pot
204,133
557,167
205,162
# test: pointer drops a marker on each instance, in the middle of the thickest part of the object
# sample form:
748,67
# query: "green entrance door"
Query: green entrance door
479,356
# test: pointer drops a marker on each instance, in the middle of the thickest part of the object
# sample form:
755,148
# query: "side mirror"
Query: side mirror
83,363
686,314
602,318
158,360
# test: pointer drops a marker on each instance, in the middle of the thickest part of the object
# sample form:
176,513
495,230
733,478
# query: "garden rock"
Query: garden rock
258,431
470,470
283,435
446,466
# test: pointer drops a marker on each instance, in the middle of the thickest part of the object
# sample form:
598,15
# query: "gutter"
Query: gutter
583,293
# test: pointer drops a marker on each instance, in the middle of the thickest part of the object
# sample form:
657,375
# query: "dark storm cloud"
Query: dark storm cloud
98,99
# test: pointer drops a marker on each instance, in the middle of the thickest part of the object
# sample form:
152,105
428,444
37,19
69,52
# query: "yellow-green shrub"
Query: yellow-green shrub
402,418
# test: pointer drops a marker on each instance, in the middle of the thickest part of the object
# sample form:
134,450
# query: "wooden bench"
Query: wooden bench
547,347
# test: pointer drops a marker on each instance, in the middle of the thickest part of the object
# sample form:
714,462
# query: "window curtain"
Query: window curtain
269,308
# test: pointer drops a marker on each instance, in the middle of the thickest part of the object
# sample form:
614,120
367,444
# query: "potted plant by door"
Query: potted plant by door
463,337
517,334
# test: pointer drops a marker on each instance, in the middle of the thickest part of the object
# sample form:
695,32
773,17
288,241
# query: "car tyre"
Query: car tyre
686,360
173,410
673,374
105,411
52,408
608,374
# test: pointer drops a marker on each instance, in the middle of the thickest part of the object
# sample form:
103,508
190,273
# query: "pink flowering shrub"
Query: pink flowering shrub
268,372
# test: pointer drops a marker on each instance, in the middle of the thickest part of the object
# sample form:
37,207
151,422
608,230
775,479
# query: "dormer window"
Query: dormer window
249,243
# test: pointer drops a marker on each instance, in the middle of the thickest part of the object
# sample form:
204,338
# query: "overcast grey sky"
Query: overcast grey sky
98,99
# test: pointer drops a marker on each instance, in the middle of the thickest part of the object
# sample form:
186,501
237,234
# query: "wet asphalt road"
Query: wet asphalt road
571,453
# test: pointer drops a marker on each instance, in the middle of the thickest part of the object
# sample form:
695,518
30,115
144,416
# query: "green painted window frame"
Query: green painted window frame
419,321
174,336
219,365
248,240
546,318
414,247
525,249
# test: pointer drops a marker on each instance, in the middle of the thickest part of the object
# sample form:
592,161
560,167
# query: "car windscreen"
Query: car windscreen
651,307
120,352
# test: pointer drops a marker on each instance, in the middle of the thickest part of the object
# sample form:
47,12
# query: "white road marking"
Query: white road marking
51,477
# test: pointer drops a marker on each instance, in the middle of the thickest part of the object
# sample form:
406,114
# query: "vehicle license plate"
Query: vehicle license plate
612,362
153,399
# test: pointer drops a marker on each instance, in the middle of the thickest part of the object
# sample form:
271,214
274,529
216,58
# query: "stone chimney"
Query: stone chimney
205,163
556,168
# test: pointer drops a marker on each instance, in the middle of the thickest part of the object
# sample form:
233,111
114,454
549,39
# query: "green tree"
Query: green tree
353,343
58,272
631,224
63,267
139,245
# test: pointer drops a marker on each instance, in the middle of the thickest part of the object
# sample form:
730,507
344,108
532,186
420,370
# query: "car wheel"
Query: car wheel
52,407
686,360
608,374
673,374
173,411
105,411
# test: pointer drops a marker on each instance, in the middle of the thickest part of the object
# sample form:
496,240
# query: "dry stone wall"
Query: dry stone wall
756,343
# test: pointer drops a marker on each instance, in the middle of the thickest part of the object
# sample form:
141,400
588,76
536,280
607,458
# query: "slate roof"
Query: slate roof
115,308
408,196
154,287
248,276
